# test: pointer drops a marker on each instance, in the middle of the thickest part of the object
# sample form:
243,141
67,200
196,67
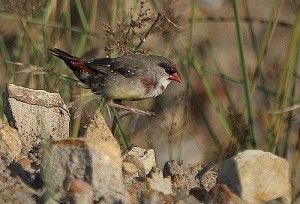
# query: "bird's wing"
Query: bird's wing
126,67
101,65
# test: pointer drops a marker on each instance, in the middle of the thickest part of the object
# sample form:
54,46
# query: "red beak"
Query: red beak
175,77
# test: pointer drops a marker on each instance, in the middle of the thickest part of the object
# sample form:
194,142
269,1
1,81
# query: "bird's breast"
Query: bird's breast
119,87
155,88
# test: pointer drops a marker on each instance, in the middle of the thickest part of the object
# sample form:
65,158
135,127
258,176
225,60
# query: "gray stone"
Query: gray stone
257,177
183,176
36,114
90,162
156,197
142,159
13,189
158,183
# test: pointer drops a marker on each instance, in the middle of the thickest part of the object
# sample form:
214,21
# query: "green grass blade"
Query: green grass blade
285,87
82,16
212,96
251,122
266,42
209,44
124,139
78,51
10,68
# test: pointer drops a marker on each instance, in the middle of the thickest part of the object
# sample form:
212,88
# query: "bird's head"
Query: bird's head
170,68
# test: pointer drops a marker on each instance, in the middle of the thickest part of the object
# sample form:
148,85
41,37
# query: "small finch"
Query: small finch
131,77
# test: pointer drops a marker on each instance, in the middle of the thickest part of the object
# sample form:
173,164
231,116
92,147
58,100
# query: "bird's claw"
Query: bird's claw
129,110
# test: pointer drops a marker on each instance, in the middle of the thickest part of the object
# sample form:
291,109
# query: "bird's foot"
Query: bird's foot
129,110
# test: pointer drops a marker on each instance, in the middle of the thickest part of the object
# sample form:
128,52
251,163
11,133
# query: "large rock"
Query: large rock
257,177
36,114
70,166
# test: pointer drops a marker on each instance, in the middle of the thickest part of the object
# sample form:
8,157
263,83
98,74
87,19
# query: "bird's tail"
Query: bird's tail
63,55
72,61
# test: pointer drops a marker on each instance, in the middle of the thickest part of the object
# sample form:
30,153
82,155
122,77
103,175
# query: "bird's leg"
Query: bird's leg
129,109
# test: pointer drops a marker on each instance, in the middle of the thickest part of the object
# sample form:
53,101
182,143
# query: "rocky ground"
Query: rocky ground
41,164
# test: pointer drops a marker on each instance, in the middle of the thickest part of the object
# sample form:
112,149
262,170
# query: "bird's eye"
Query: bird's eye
167,67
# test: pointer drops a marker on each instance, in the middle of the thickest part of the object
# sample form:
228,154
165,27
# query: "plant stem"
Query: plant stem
245,75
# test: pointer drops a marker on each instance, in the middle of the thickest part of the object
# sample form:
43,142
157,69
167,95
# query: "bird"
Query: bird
130,77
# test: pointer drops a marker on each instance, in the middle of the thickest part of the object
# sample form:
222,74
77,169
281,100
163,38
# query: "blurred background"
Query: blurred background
238,60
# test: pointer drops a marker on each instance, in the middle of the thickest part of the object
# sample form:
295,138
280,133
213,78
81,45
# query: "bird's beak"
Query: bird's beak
175,77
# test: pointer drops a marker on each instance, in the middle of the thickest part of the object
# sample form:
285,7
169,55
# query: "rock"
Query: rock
143,160
13,189
91,162
158,183
36,114
207,177
130,169
222,194
156,197
10,142
257,177
98,129
81,191
188,200
25,164
183,176
199,193
136,187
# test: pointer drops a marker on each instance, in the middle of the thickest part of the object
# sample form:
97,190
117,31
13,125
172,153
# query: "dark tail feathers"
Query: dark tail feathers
71,61
63,55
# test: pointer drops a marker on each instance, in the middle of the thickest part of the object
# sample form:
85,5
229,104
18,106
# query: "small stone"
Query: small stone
159,183
199,193
129,168
222,194
188,200
36,114
12,187
153,197
257,176
25,164
143,159
207,177
183,176
78,186
10,142
80,191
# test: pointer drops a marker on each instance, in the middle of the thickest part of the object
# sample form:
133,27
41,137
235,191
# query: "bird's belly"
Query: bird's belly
125,91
